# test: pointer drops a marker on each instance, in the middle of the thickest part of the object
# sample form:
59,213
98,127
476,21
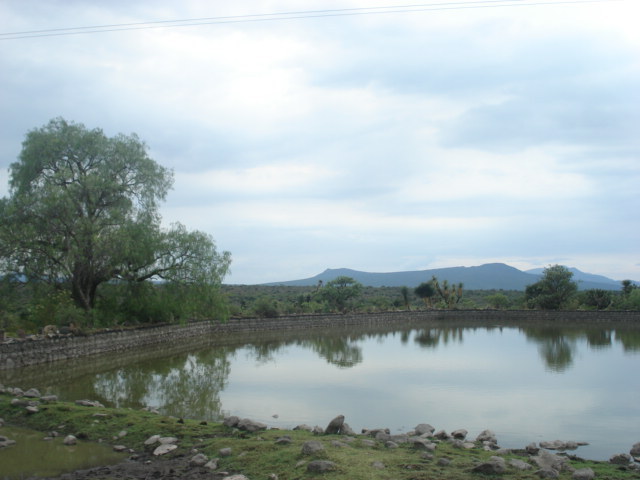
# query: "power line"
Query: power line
294,15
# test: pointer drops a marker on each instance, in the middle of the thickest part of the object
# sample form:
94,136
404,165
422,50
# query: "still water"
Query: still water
526,384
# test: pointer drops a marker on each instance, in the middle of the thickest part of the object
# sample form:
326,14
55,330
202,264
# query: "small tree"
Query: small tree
554,289
597,298
340,292
404,291
498,300
426,291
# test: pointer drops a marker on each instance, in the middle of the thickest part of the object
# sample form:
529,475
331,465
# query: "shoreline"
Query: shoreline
252,444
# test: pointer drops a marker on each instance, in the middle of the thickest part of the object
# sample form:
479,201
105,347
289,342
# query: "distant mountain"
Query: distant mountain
490,276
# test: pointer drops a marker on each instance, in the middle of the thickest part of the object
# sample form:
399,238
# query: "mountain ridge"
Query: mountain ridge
489,276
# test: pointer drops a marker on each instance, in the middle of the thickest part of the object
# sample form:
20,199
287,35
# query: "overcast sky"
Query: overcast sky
379,142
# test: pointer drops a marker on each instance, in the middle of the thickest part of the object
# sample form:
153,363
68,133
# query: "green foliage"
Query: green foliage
83,213
340,293
597,298
426,291
498,300
553,291
266,307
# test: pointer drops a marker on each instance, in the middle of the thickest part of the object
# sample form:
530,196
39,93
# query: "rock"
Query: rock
49,398
493,466
167,440
31,409
199,460
231,421
307,428
89,403
444,462
546,459
284,440
346,429
317,430
487,436
70,440
321,466
532,449
441,435
561,445
339,444
235,477
635,450
225,452
373,432
32,393
423,444
6,442
368,443
164,449
424,429
519,464
212,464
378,465
547,473
152,439
334,425
251,426
460,434
621,459
390,444
312,447
583,474
119,448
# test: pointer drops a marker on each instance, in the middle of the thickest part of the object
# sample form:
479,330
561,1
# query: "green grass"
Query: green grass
257,455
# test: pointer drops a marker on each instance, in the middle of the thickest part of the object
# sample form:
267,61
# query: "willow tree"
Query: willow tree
82,211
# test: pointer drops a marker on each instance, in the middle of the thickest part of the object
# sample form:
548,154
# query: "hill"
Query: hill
490,276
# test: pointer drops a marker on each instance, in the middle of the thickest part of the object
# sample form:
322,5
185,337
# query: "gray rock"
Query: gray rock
547,473
199,460
621,459
378,465
231,421
339,444
583,474
561,445
225,452
32,393
441,435
317,430
390,444
6,442
235,477
70,440
89,403
444,462
321,466
284,440
211,464
334,425
547,460
251,425
635,450
373,432
167,440
312,447
164,449
487,436
49,398
368,443
152,439
493,466
532,449
31,409
460,434
519,464
346,429
307,428
119,448
424,429
423,444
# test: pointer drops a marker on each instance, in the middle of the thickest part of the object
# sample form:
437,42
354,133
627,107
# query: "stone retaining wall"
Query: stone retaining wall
33,352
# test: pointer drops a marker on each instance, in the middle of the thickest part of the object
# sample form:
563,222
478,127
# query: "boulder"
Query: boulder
346,429
30,409
635,450
89,403
235,477
312,447
199,460
487,436
548,473
621,459
519,464
321,466
49,398
532,449
305,427
211,464
231,421
164,449
70,440
424,429
251,426
6,442
152,439
334,426
225,452
562,445
32,393
583,474
284,440
441,435
423,444
547,460
378,465
493,466
167,440
460,434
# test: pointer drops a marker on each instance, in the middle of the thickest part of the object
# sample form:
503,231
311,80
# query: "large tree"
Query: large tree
554,289
83,210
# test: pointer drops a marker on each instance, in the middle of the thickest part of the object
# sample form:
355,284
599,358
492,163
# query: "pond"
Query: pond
525,384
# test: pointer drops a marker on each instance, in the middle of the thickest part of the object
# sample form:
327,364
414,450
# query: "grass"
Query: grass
257,455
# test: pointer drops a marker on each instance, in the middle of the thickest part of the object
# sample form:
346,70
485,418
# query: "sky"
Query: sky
381,138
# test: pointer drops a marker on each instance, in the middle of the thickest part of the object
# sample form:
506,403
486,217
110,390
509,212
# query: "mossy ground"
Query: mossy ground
257,455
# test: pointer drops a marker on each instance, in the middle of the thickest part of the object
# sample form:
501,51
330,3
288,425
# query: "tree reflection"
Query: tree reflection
338,351
555,347
432,337
630,340
182,385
